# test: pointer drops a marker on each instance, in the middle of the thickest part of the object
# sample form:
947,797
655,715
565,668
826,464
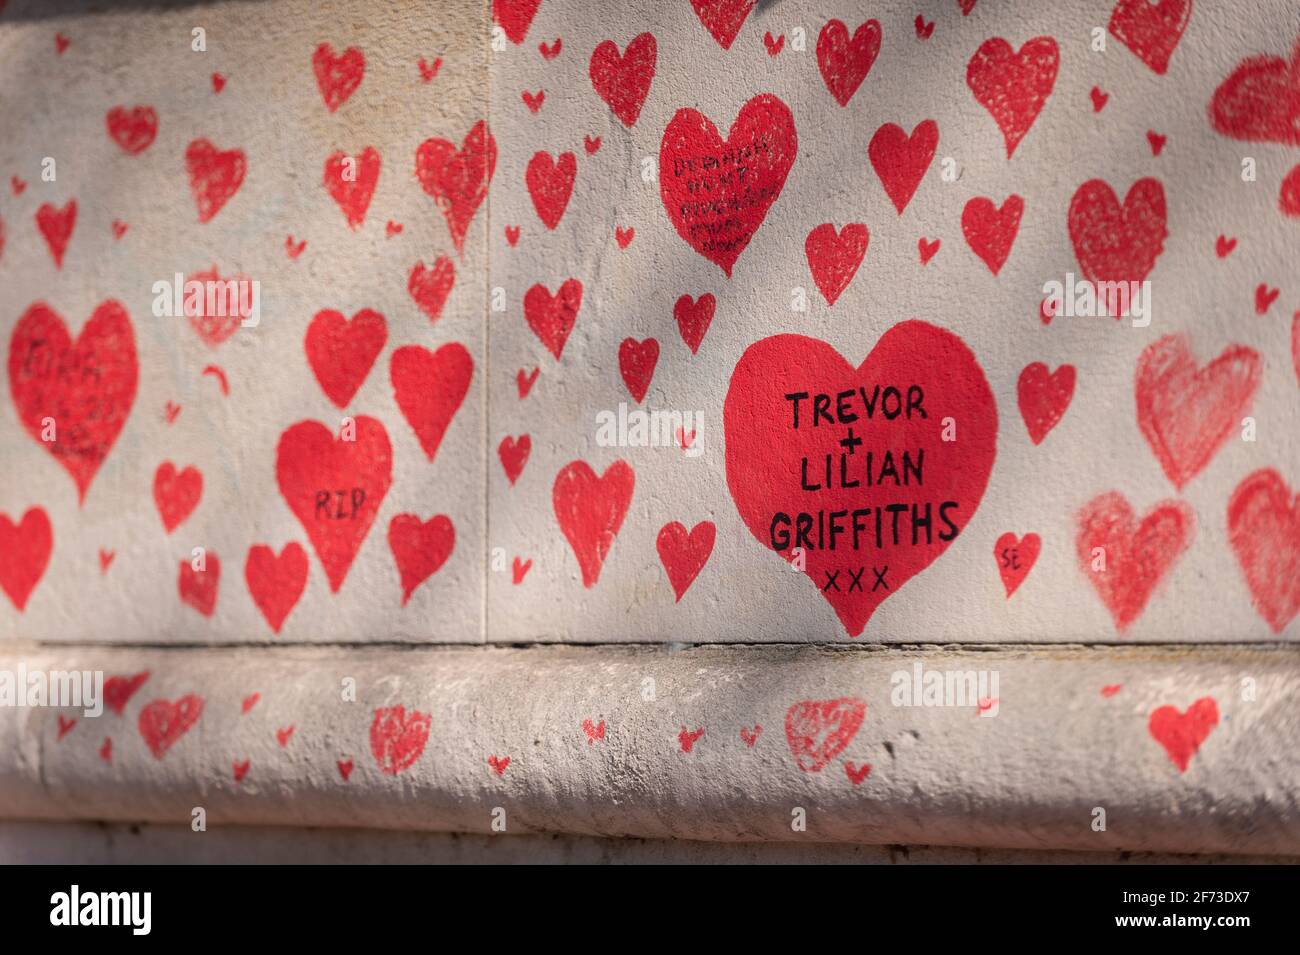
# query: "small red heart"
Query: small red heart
590,511
723,18
774,46
693,318
341,351
1099,99
636,362
218,82
1047,310
990,230
520,570
623,236
923,29
524,382
966,6
249,702
552,317
512,235
458,179
240,769
901,159
170,411
1181,734
429,70
61,42
818,730
750,736
856,773
844,63
1015,558
18,185
1264,531
215,175
1114,242
688,738
550,184
833,258
276,583
533,101
1013,84
1295,344
1157,142
514,455
1043,397
345,768
1264,298
623,80
351,180
1150,30
499,763
337,76
119,228
684,553
1288,197
132,129
420,548
176,493
594,731
283,735
118,690
1110,689
106,751
105,559
25,550
591,144
294,249
56,227
65,726
429,388
551,51
198,588
397,738
685,439
430,287
392,228
162,723
926,249
1223,246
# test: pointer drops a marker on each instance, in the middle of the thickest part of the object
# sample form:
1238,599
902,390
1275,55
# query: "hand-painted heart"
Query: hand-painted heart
695,162
1126,560
1185,413
419,548
230,305
1114,243
844,62
515,16
1181,734
590,510
901,160
636,362
990,231
1260,101
215,175
819,730
118,690
56,227
337,76
550,184
1150,29
351,181
551,317
514,453
684,553
276,583
1043,396
1288,195
132,129
176,494
458,179
694,316
833,258
397,738
162,723
429,388
1264,530
723,18
341,351
335,486
806,450
86,389
1016,557
431,286
198,585
1013,86
25,550
623,80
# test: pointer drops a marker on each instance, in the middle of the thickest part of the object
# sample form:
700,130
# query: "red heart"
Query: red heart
1126,560
176,494
215,175
923,30
1223,246
162,723
1114,243
392,228
428,70
118,690
623,80
249,702
524,382
429,388
551,317
499,764
132,129
25,550
1110,689
1015,558
56,226
1264,530
512,235
750,737
61,42
1013,86
341,351
218,82
345,768
276,583
240,769
683,553
1099,99
1185,413
106,559
901,160
844,63
1150,29
87,388
458,179
533,101
351,180
624,236
106,751
397,738
763,137
520,569
283,735
550,51
1043,396
419,548
693,318
818,730
990,231
723,18
1264,297
17,185
334,487
774,46
777,464
430,287
65,726
1295,344
636,362
514,455
337,76
515,16
590,510
550,184
1157,142
927,249
591,144
1288,197
684,439
228,308
119,228
688,738
198,588
966,6
834,258
858,773
593,732
1181,734
1260,100
292,250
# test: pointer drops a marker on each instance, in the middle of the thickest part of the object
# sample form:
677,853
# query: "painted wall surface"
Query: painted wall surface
848,197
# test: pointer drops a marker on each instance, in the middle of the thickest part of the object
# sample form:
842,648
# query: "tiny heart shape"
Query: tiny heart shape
552,50
351,180
856,773
1047,310
170,411
294,249
420,548
622,80
684,553
429,287
132,129
458,179
118,690
533,101
685,438
392,228
1288,197
1110,689
176,493
591,144
1264,531
624,236
337,77
693,317
429,388
17,185
163,722
1015,557
520,569
833,258
750,737
514,455
397,738
56,227
341,351
818,730
524,381
990,230
1223,246
106,750
1157,142
198,587
61,43
1264,298
688,738
345,768
550,184
552,317
1099,99
590,511
924,30
249,702
1013,85
218,82
594,731
844,62
119,228
636,363
774,46
215,175
1150,29
65,726
499,763
1043,397
428,70
240,769
901,159
926,249
276,582
1182,733
723,18
966,6
512,235
105,559
25,550
283,735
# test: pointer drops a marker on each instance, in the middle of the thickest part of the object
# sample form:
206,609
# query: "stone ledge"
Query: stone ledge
1028,778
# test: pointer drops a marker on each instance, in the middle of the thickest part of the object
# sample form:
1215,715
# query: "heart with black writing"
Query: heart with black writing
862,477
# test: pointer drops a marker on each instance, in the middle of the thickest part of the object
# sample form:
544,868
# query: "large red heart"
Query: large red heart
351,181
337,76
1185,413
118,690
334,486
723,18
1013,86
1126,560
86,389
430,287
916,420
429,388
215,175
819,730
901,160
684,553
1260,100
458,179
844,63
718,193
341,351
1043,396
276,583
25,550
990,231
1114,243
132,129
397,738
1151,30
623,80
1264,530
550,184
1181,734
515,16
551,317
198,586
56,227
590,510
163,722
419,548
176,494
833,258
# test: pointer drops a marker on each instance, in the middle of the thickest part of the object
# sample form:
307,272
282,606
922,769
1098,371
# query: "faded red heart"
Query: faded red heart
901,160
198,587
551,317
25,550
1011,85
1043,396
684,553
1260,100
132,129
833,258
429,287
1181,734
636,362
590,511
341,351
276,583
215,175
215,317
351,181
118,690
163,722
176,494
844,63
1015,558
1150,28
818,730
429,388
990,231
337,76
419,548
550,184
623,80
397,738
1264,530
458,179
